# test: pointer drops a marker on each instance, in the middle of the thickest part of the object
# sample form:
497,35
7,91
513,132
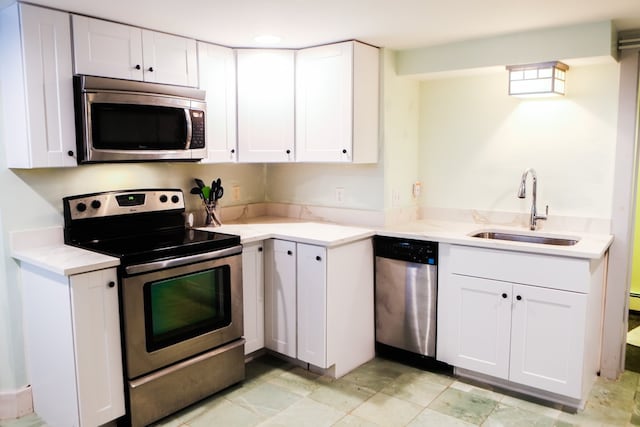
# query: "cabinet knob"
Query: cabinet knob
518,297
70,153
260,249
318,258
151,69
289,253
137,67
233,150
504,295
344,151
288,151
111,284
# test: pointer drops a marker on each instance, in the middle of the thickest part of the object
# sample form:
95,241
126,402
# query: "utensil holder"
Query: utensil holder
212,217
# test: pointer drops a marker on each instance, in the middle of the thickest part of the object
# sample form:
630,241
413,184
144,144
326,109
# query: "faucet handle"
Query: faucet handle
546,213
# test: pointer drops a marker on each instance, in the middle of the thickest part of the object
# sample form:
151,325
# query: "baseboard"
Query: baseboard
16,404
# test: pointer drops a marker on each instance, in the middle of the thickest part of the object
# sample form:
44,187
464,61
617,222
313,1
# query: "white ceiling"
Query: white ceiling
396,24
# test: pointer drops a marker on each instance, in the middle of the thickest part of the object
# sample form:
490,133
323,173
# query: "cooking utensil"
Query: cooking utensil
199,182
198,191
216,190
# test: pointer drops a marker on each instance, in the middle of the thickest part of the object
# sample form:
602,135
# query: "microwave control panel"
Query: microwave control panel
197,129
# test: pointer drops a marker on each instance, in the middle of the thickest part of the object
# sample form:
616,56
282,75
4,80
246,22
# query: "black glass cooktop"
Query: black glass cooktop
161,244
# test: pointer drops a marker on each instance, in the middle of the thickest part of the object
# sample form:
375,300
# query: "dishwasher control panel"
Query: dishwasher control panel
418,251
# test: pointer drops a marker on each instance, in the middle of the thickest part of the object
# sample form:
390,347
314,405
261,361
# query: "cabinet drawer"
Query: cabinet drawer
570,274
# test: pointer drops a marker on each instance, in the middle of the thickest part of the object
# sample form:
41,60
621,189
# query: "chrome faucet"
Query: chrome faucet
522,193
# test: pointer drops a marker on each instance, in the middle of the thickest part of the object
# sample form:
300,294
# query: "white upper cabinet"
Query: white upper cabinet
37,87
337,104
121,51
265,105
217,71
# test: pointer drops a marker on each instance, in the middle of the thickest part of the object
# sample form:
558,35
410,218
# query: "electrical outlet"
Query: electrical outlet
236,193
417,189
339,194
395,198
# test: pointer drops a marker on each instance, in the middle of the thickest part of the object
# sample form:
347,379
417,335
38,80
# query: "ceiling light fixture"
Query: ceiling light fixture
267,39
541,79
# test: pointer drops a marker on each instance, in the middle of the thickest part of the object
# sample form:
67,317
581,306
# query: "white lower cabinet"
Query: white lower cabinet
496,321
319,303
72,336
253,296
280,297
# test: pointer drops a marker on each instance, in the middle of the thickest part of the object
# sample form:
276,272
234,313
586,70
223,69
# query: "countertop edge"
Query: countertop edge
37,258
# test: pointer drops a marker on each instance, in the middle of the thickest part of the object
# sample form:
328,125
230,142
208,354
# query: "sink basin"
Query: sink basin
527,238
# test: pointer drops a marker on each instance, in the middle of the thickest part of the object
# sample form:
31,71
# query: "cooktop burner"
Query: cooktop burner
137,226
160,245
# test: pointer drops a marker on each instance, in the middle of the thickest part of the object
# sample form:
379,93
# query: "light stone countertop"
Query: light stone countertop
45,248
591,246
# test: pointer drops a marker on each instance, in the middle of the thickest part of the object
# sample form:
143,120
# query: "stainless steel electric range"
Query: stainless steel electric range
180,292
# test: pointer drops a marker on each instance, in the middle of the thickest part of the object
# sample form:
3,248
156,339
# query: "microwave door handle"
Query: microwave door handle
187,116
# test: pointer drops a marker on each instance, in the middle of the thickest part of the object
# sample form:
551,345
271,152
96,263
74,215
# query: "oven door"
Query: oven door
178,311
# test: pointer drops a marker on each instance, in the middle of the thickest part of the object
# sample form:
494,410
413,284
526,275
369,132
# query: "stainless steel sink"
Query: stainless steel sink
543,240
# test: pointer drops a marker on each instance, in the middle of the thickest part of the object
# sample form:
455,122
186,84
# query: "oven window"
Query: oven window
138,127
184,307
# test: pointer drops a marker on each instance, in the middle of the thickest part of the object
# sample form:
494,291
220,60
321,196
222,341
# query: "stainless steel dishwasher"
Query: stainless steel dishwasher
406,286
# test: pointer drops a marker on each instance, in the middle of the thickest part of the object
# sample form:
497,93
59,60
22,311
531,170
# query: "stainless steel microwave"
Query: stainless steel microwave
129,121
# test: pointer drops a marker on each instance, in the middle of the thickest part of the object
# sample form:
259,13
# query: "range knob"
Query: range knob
81,207
175,199
96,204
164,198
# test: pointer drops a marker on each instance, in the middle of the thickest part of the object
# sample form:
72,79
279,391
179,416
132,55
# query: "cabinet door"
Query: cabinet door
253,296
324,100
217,70
107,49
265,105
481,324
96,325
169,59
547,339
312,304
37,87
280,297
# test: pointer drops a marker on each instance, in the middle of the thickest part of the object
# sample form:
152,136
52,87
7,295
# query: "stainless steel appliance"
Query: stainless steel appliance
123,120
406,288
180,296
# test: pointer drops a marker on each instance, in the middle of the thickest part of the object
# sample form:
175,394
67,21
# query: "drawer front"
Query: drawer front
570,274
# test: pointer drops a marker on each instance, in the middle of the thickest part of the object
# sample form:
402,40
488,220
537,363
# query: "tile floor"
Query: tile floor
386,393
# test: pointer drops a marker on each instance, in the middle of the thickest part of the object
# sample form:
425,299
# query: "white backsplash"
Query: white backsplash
358,217
554,223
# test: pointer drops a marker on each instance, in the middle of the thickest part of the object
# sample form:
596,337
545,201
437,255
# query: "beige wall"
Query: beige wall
475,142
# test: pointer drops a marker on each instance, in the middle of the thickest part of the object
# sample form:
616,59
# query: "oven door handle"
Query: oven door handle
176,262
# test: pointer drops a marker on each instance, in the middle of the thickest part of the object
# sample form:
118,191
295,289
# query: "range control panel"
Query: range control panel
112,203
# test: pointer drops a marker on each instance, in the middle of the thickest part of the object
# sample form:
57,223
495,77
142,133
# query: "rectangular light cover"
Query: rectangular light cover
545,78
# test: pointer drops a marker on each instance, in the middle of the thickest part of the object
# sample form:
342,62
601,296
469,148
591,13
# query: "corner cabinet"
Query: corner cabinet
217,71
319,303
37,87
72,337
337,104
253,296
265,79
531,320
108,49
